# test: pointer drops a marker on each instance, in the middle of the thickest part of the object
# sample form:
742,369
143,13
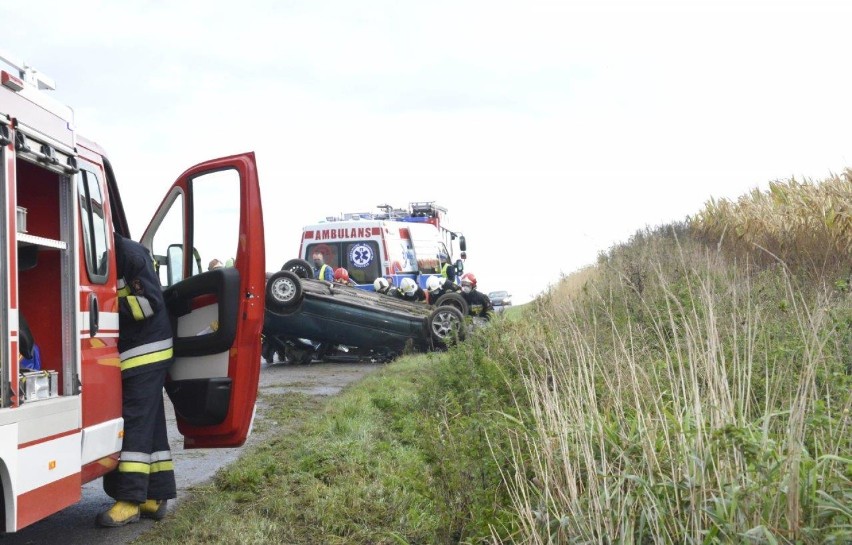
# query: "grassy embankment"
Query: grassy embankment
692,387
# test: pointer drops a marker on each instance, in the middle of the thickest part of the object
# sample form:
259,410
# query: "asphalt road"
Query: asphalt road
76,524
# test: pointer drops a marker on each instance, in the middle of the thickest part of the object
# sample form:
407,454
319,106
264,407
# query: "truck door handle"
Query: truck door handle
94,315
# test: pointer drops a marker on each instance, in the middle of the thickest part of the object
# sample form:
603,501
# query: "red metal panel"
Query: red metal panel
101,380
99,468
46,500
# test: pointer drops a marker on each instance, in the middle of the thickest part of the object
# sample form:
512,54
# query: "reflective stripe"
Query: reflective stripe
134,467
161,455
121,283
153,357
135,308
135,457
146,349
147,311
166,465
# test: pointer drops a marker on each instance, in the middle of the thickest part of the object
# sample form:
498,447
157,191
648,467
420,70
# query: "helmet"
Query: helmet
470,279
381,284
341,274
434,283
408,286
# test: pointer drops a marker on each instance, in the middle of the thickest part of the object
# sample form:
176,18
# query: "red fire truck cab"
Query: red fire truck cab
61,425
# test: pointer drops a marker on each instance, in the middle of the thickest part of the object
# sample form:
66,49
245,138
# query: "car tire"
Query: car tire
453,300
283,291
300,267
446,323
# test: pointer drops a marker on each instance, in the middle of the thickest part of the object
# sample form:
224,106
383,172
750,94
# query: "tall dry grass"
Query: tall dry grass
802,223
678,399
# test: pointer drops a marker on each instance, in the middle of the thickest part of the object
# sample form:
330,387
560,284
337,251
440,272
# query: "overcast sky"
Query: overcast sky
550,130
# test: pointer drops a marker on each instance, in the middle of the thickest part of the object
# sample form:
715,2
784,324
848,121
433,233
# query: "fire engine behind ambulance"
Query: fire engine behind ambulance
395,243
61,425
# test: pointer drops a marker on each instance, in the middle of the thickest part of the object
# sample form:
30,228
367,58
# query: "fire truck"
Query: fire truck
394,242
61,424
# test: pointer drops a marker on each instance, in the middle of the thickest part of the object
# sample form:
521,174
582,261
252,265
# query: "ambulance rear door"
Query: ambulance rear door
207,239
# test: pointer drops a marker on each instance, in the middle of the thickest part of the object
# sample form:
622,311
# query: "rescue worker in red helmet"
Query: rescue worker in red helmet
144,479
341,276
479,303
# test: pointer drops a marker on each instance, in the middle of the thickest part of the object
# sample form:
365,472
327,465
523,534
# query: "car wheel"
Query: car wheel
446,323
300,267
453,300
283,291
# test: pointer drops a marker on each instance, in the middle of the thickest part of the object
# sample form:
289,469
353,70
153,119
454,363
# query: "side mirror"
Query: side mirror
174,264
459,266
464,255
462,243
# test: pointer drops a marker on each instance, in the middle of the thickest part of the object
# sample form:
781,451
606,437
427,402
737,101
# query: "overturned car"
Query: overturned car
308,318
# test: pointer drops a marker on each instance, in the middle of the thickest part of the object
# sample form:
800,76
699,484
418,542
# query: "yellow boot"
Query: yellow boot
153,509
123,512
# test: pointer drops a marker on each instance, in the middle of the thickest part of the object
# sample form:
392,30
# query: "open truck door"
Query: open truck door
212,214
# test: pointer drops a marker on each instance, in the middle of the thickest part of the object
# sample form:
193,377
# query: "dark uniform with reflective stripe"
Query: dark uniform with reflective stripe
146,470
479,303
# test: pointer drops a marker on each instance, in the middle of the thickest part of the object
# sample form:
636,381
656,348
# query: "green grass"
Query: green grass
347,472
673,393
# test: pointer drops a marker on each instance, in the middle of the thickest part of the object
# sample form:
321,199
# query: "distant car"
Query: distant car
299,308
500,298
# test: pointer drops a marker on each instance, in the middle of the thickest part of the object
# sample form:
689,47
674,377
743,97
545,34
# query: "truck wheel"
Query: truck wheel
283,291
453,300
446,323
300,267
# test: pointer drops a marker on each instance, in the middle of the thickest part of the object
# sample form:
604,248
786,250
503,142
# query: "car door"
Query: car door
214,211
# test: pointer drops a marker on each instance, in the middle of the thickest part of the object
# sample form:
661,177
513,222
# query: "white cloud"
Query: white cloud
549,129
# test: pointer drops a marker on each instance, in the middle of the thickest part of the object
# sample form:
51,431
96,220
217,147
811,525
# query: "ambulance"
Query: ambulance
394,243
60,415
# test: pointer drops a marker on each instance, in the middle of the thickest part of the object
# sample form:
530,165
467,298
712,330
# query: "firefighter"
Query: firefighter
383,286
411,291
479,303
341,276
438,286
321,270
144,479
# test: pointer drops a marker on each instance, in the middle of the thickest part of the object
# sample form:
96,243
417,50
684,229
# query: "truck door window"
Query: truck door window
93,224
216,221
168,236
443,254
